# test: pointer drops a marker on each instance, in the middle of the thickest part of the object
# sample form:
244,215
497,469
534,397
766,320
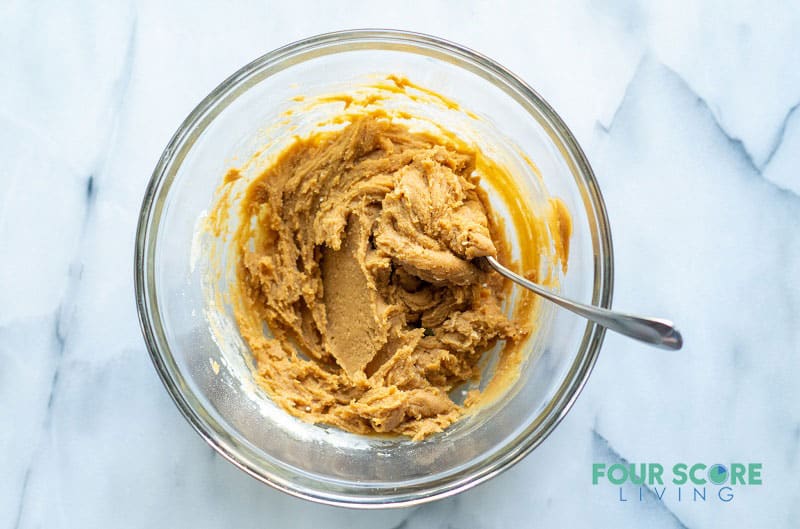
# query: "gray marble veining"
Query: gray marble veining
688,113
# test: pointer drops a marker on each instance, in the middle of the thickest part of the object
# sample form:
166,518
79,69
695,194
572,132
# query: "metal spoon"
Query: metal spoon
654,331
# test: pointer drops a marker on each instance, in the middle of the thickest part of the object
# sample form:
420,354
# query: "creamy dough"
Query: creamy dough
356,248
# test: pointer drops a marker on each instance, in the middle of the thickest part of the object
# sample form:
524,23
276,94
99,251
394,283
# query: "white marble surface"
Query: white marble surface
688,112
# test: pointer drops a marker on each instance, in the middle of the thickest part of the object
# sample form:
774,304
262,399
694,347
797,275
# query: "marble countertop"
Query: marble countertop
688,113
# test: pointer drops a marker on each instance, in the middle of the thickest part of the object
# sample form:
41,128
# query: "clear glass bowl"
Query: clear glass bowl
236,418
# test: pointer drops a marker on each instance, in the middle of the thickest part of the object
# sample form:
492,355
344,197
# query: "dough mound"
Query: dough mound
355,248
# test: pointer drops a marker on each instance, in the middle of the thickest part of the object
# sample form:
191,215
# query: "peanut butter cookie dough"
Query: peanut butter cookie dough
355,247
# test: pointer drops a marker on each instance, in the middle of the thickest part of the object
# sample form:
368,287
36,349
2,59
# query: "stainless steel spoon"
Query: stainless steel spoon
654,331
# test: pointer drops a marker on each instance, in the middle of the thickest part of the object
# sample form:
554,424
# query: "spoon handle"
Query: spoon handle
654,331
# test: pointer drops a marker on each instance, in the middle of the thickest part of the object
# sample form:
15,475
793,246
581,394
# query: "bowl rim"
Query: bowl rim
190,130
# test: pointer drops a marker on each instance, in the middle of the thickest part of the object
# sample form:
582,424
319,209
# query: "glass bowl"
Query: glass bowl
206,375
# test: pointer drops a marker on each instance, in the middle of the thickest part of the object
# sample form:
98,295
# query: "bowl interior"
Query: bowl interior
194,340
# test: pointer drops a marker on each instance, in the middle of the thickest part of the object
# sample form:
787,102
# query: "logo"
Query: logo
718,474
697,482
